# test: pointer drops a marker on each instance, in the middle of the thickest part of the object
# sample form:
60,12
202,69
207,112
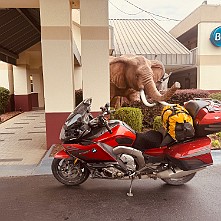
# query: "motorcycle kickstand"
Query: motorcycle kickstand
130,190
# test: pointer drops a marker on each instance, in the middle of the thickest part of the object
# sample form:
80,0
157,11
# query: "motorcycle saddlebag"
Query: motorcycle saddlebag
191,155
206,116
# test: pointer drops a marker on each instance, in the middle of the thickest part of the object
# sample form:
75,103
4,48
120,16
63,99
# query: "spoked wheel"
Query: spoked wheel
68,172
179,181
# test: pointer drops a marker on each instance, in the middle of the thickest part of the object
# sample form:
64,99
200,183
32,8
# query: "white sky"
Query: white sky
177,9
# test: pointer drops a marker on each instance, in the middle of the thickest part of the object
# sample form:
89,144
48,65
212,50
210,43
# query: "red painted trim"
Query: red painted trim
23,102
54,123
61,155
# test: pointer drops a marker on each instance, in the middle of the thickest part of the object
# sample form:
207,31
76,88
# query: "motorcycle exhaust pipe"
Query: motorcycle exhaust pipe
133,152
179,173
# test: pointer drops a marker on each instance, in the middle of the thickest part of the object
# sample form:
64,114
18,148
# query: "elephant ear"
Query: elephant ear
158,70
117,74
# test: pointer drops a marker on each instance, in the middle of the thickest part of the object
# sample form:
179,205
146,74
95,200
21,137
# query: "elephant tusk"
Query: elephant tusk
143,98
166,104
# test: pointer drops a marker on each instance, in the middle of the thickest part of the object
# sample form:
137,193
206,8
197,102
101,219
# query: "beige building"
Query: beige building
48,47
195,32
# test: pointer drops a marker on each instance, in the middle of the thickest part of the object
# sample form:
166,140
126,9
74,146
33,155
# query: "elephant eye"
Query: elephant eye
137,76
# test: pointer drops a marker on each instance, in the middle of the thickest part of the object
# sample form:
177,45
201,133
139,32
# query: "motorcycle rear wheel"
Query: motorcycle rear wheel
68,172
179,181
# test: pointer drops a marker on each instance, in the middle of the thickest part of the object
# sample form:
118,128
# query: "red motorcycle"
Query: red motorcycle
110,149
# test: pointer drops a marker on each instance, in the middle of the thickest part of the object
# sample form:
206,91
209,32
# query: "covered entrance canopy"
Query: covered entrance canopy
19,30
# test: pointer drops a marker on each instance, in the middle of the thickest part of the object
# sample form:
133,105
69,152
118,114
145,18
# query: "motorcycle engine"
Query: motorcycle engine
116,173
129,161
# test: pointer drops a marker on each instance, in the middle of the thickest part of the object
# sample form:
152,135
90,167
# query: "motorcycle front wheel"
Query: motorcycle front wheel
179,181
68,172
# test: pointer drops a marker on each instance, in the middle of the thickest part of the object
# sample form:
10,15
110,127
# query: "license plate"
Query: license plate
55,149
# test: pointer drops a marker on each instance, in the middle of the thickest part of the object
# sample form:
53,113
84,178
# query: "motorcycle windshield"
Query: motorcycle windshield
78,113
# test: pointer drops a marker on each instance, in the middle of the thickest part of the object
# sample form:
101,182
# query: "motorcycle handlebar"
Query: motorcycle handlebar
105,123
108,127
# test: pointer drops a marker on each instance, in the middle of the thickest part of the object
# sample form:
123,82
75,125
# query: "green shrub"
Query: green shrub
157,123
215,143
149,113
4,99
131,116
216,96
179,97
218,134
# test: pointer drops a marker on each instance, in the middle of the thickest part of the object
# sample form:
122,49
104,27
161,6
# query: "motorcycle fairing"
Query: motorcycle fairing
119,131
91,152
61,155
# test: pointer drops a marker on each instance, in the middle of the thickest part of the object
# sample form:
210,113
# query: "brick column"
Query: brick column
38,86
22,87
57,60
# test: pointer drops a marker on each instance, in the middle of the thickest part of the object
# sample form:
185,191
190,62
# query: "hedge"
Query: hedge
179,97
157,123
131,116
4,99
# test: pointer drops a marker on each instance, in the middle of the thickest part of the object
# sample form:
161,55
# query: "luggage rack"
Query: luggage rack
214,105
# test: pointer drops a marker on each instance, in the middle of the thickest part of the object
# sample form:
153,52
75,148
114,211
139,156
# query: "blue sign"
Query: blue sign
215,37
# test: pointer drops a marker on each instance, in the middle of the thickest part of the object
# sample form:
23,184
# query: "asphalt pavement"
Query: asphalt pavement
43,198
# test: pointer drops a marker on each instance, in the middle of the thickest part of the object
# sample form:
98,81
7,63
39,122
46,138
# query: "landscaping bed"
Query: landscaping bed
6,116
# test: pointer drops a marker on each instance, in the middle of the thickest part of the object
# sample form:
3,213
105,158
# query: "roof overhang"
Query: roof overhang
19,31
204,13
30,4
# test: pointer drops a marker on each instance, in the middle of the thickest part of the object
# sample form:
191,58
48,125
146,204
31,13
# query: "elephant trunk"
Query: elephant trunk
152,92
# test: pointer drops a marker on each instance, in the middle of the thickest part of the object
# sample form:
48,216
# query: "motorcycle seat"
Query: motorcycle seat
151,139
147,140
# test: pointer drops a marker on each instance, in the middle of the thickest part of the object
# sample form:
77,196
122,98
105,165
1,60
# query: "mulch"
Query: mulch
8,115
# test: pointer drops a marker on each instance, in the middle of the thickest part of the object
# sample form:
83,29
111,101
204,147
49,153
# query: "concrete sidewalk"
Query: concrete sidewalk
22,143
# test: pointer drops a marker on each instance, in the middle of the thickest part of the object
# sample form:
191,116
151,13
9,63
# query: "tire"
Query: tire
179,181
68,173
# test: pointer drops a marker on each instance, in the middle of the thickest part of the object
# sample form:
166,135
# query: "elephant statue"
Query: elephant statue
130,74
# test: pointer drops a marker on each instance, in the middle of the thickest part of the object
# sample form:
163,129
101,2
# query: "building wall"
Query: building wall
187,78
209,58
76,28
4,81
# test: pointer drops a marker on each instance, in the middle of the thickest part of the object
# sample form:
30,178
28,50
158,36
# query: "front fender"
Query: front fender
61,155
